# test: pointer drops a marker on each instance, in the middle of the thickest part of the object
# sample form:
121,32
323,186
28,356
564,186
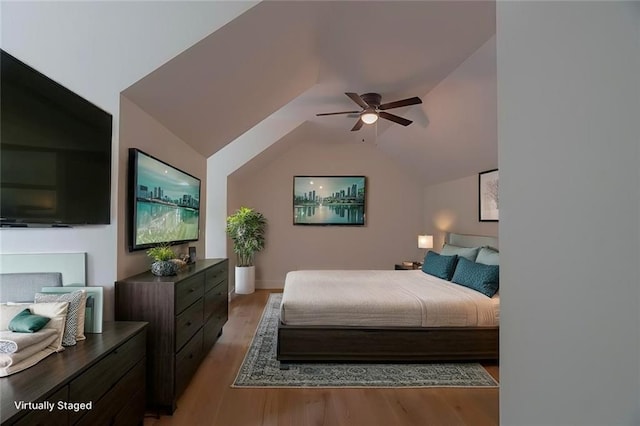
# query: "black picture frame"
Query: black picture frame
488,196
329,200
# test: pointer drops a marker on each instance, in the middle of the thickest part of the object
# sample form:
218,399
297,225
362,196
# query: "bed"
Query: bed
387,316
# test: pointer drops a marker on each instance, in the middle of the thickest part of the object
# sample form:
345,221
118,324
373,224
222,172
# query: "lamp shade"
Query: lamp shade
425,241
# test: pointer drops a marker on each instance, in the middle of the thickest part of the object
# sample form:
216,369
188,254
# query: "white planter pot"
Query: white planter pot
245,279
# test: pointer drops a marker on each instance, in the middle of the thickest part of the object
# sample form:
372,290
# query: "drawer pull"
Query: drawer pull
191,290
188,323
190,356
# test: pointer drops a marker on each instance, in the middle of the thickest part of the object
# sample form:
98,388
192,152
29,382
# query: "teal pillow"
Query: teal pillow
479,277
488,256
466,252
26,322
439,266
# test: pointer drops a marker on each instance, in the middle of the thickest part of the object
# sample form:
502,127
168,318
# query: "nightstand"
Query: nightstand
401,267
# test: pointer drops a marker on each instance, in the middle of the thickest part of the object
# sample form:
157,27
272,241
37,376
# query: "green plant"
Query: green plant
246,228
161,252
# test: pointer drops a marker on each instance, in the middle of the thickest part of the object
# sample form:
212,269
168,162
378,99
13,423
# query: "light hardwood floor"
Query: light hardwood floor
209,399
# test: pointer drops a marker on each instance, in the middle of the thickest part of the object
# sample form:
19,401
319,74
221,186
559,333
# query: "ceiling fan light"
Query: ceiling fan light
369,117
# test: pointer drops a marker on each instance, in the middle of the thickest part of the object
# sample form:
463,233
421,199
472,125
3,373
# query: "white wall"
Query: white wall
97,49
226,161
452,206
569,136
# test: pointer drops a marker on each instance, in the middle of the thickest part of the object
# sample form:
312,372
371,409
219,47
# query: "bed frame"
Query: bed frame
332,343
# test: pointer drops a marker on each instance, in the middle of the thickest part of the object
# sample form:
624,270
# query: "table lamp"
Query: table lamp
425,242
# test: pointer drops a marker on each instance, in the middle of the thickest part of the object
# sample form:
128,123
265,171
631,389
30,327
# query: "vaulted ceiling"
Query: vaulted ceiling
295,59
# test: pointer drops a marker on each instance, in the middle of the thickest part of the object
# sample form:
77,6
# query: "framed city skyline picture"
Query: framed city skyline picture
329,200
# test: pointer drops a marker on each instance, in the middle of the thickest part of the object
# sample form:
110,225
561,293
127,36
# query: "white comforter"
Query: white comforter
383,298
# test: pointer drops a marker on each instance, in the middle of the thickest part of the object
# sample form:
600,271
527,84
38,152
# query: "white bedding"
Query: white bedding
13,362
383,298
11,342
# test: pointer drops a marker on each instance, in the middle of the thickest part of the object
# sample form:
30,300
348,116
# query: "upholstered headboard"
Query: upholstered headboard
463,240
20,287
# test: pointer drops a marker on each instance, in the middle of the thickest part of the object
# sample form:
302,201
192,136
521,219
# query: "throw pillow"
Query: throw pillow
26,322
476,276
58,314
438,265
8,311
71,326
469,253
488,256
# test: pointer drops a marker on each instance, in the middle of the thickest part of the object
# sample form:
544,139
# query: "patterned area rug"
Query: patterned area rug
261,369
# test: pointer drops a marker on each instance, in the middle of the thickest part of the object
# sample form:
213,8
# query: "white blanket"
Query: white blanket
11,342
37,351
383,298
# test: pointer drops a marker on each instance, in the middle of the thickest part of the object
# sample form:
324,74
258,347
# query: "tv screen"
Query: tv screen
164,203
55,152
329,200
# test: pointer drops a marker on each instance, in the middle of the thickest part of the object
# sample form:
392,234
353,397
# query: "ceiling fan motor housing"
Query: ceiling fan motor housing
372,99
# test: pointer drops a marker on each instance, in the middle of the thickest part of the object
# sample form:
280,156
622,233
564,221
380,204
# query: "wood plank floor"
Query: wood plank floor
209,399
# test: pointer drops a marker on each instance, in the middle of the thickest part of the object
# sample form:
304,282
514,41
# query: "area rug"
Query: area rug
261,369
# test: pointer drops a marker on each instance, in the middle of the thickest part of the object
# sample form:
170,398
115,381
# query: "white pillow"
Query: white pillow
57,311
81,316
74,301
8,311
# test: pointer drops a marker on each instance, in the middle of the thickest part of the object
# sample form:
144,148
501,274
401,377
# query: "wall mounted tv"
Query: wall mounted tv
164,203
55,152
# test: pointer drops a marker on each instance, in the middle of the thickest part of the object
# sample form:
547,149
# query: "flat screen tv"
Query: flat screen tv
55,152
164,203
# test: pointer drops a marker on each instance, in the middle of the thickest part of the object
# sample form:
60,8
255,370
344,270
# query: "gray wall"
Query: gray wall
569,135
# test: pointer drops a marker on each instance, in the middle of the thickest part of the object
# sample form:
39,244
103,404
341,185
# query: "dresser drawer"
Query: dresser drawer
187,361
216,275
188,291
46,418
97,380
107,408
188,322
214,298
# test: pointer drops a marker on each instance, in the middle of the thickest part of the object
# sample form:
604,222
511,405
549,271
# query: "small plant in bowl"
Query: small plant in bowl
162,265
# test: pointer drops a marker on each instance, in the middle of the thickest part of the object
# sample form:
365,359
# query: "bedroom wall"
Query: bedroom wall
394,212
139,130
452,206
569,151
81,45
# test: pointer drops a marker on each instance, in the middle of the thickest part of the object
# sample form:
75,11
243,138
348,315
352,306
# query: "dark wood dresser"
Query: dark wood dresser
186,313
106,370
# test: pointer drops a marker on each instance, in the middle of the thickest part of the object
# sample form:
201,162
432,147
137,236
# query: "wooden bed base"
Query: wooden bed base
323,343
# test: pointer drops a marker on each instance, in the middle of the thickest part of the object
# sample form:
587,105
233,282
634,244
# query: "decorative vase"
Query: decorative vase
163,268
245,279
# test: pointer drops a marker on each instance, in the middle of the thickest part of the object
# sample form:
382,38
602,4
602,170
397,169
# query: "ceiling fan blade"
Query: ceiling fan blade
358,125
397,104
395,118
336,113
357,99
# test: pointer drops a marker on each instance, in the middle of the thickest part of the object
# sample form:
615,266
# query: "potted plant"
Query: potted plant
246,228
162,256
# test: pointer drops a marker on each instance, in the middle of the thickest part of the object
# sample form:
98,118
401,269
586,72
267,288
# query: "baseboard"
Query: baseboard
269,284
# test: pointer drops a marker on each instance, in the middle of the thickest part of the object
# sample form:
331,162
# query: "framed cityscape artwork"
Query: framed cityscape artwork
329,200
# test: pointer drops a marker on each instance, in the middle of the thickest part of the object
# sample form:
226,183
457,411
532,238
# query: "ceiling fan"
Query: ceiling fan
372,109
